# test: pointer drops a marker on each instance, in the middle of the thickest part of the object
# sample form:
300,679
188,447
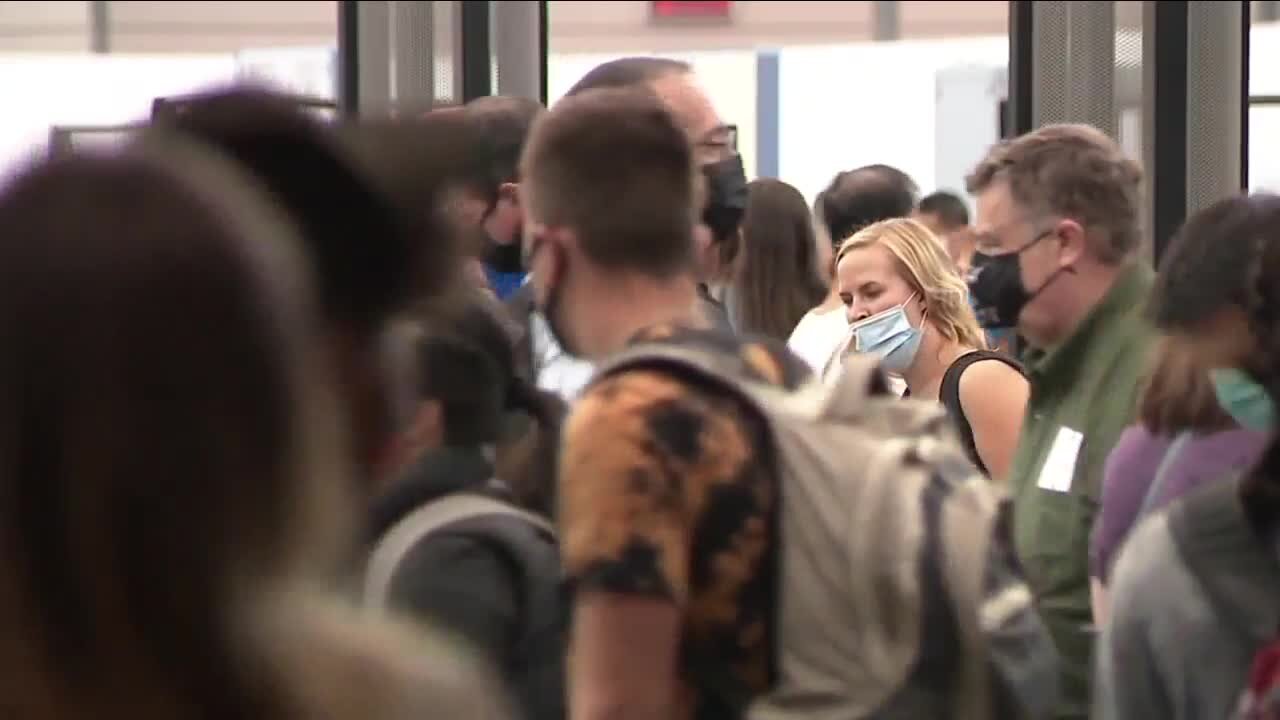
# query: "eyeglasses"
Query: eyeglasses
721,139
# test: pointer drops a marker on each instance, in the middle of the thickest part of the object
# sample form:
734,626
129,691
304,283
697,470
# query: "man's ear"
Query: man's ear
1072,241
426,431
509,192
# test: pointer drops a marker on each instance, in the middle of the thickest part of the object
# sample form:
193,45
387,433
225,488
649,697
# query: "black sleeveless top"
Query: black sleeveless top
949,396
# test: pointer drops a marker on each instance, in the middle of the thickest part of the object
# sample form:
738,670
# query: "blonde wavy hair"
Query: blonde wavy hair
924,263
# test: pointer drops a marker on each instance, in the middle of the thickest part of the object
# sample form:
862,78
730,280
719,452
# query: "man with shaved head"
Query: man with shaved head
722,193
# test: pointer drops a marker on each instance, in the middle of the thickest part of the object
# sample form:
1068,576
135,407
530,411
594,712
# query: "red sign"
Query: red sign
680,9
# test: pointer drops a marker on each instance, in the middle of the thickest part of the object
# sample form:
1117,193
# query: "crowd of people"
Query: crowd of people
510,411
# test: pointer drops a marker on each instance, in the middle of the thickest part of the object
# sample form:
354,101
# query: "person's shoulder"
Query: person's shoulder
990,370
344,664
1137,452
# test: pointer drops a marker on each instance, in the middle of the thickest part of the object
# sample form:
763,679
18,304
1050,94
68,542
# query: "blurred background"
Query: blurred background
814,87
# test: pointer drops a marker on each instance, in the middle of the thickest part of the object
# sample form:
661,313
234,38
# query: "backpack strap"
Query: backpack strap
1161,477
1236,569
433,516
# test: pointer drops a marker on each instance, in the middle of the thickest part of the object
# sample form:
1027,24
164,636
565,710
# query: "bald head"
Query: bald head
861,197
723,183
677,86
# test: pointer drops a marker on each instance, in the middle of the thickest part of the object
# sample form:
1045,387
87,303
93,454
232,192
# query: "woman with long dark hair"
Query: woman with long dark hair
1194,625
777,279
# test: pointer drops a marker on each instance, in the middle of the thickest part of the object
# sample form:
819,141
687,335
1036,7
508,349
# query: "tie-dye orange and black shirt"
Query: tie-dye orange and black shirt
667,489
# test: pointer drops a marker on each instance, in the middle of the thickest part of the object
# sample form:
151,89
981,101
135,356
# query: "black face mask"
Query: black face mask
549,308
726,196
504,258
995,283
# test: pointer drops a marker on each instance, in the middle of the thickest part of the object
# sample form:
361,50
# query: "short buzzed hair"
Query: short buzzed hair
950,210
1075,171
628,72
501,125
615,167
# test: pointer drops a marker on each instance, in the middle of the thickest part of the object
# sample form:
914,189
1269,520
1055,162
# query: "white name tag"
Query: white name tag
1060,465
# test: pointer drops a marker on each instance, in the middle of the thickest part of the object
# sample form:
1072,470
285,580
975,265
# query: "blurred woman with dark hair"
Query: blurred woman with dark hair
1183,439
1194,630
460,536
776,280
170,461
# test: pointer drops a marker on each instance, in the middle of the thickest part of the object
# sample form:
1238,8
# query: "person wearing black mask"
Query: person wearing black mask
723,195
489,199
1057,257
715,152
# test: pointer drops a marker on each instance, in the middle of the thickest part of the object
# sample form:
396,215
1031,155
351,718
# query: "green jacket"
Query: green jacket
1083,394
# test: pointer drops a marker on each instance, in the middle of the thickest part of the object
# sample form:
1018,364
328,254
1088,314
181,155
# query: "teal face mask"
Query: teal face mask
1243,399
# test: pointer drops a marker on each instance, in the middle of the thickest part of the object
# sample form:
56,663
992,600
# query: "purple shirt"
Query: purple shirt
1131,468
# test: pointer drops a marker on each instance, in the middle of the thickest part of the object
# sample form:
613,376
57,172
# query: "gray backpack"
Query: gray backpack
886,534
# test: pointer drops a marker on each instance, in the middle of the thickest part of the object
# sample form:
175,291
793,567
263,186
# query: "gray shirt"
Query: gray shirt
1166,651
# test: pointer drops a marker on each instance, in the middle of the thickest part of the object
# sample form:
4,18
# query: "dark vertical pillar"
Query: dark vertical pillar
1245,43
768,112
544,47
1167,173
1018,117
99,26
477,72
348,57
888,23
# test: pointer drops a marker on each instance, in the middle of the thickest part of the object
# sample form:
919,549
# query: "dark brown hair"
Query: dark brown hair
613,166
1207,266
501,126
777,278
1261,489
1074,171
158,434
465,360
1178,396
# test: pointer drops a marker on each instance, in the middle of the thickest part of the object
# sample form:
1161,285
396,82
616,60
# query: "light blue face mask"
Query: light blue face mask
890,335
1243,399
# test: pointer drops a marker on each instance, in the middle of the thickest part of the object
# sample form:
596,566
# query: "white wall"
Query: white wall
1264,122
41,91
852,105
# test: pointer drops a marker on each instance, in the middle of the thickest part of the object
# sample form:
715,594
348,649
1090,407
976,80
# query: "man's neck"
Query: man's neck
630,305
1091,290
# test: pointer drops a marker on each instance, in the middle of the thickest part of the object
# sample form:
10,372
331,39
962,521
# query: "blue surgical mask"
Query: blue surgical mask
1243,399
890,335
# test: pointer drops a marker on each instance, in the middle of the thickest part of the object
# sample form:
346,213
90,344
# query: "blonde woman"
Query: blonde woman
906,303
